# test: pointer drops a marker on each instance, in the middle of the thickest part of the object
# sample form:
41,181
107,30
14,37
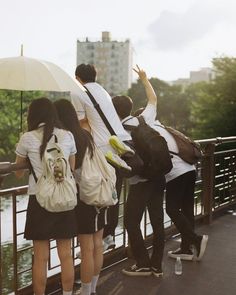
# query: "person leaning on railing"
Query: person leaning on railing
42,225
91,221
143,193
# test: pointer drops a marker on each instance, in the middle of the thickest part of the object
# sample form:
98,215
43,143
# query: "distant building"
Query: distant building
112,59
204,74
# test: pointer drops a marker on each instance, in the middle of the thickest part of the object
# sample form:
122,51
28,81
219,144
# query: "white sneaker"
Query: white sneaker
116,161
200,248
108,243
120,146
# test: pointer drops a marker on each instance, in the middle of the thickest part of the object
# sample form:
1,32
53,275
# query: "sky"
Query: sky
169,37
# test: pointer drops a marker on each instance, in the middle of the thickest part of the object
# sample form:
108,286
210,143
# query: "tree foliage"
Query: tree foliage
10,120
214,106
173,105
201,110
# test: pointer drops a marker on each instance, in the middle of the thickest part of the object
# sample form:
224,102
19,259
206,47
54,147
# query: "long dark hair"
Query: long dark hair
42,110
68,117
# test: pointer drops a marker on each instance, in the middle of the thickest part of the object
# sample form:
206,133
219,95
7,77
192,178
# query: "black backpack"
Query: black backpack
152,148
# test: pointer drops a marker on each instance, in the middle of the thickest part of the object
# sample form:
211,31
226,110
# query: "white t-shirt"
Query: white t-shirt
84,108
179,166
149,114
29,146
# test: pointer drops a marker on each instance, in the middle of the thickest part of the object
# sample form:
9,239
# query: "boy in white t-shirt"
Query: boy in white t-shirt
143,193
180,184
91,120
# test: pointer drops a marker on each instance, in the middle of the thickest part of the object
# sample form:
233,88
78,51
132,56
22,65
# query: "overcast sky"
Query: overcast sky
169,37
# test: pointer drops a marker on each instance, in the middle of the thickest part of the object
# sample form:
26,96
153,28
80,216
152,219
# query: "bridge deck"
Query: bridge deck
215,274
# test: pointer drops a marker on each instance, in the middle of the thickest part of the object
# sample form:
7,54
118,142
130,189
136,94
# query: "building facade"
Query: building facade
112,59
202,75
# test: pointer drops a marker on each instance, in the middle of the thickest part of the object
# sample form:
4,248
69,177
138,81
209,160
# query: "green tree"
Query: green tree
214,107
173,106
10,119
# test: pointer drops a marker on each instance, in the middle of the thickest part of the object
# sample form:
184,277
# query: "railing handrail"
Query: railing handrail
18,189
217,140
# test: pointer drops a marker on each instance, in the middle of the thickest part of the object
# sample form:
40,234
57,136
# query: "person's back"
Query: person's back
91,120
143,193
42,225
179,166
86,74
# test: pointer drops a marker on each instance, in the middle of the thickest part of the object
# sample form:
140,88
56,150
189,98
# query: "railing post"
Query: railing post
208,176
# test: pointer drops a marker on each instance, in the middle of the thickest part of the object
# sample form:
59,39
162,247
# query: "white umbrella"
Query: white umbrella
28,74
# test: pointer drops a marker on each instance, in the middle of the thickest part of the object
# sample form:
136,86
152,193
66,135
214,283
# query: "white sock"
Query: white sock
67,292
94,283
85,288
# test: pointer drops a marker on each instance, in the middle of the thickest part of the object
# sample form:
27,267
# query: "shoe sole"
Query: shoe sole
137,274
202,247
116,164
187,257
121,150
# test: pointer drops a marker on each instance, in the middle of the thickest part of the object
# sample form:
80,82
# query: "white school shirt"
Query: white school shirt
149,114
29,146
180,167
84,108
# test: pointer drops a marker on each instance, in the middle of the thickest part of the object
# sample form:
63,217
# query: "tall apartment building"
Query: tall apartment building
112,59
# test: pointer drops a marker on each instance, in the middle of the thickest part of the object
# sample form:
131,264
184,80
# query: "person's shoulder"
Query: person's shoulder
78,95
28,136
96,87
130,120
29,140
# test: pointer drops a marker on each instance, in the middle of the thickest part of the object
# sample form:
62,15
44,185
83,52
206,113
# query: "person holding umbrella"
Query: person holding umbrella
42,225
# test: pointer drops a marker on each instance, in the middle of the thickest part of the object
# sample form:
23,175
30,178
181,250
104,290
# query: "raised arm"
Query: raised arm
151,95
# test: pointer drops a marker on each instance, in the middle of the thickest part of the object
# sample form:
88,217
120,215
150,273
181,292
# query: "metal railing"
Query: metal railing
215,190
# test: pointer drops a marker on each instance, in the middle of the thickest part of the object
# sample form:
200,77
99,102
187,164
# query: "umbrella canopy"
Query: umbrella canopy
28,74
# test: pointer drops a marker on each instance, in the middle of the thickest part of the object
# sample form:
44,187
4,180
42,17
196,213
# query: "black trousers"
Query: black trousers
113,211
180,207
146,194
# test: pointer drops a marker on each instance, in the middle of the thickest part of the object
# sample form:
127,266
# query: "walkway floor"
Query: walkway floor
214,275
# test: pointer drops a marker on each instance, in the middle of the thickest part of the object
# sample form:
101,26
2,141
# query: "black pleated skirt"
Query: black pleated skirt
44,225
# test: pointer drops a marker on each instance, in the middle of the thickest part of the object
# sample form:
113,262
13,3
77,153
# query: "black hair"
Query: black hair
42,110
68,117
123,105
86,73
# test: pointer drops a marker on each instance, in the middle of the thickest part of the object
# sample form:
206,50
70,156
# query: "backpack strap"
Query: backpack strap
38,136
171,152
32,171
129,127
99,110
141,120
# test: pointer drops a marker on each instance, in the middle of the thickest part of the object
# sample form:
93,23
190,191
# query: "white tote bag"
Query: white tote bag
96,179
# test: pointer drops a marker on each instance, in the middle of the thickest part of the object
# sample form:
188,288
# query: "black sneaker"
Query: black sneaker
184,255
200,247
157,272
134,270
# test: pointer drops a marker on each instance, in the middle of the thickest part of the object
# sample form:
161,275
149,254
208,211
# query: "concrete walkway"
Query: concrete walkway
214,275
